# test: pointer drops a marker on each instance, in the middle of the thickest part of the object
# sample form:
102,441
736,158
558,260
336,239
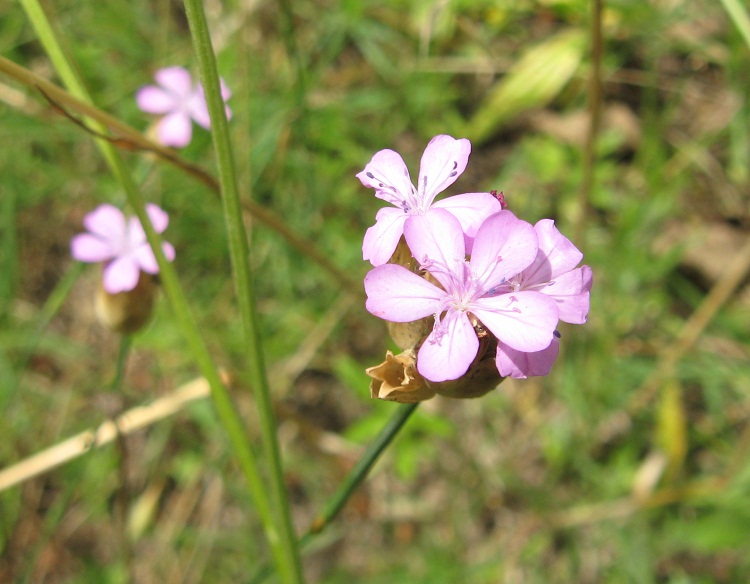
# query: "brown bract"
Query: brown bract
397,379
127,312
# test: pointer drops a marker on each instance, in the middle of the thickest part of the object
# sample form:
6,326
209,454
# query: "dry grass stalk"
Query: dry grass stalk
130,421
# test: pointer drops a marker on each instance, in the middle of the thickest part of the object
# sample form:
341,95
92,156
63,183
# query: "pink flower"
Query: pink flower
121,244
444,159
179,101
553,272
503,247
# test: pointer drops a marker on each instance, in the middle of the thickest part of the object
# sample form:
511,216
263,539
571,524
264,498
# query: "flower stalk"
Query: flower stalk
283,540
225,409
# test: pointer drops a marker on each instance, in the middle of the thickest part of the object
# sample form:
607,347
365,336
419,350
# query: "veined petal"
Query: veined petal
396,294
523,320
387,174
520,365
444,159
437,237
154,100
449,356
382,238
175,79
175,130
503,247
120,275
89,248
571,292
471,209
106,221
556,255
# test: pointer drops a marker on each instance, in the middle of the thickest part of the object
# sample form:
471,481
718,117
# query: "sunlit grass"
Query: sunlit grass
532,483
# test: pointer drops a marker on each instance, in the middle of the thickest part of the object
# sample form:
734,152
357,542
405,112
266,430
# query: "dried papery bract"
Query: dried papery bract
397,379
127,312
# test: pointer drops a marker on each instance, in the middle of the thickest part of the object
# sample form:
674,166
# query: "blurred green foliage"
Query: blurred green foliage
539,481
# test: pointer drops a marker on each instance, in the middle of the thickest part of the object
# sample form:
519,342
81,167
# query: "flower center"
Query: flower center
462,287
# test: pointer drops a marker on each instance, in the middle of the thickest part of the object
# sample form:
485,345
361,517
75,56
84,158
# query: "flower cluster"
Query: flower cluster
490,285
180,102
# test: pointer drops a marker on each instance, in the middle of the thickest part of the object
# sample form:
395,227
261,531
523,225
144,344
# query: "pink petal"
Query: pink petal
519,365
199,112
503,236
106,221
451,356
437,236
199,108
175,79
396,294
388,175
175,130
136,235
471,209
168,250
89,248
382,238
524,320
145,259
571,292
154,100
556,256
444,159
121,275
158,217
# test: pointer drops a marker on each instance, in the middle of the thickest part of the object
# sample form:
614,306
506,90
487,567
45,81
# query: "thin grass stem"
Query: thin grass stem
595,117
122,135
284,545
224,407
350,483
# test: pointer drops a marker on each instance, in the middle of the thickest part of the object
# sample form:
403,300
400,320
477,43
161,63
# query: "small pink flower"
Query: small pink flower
121,244
443,161
504,246
180,101
553,273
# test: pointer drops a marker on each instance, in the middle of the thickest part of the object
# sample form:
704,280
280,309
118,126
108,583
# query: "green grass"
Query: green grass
531,483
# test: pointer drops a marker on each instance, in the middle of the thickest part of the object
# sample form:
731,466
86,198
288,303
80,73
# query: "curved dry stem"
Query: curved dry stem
127,138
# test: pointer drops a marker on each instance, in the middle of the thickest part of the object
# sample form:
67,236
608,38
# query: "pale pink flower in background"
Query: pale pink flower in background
121,244
503,247
180,101
553,272
443,161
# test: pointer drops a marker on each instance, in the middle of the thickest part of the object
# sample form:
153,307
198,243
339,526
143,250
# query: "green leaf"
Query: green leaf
532,82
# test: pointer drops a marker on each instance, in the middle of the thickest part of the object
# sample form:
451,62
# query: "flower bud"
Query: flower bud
127,312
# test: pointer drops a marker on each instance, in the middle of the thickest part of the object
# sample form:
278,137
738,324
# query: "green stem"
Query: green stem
285,547
122,358
595,118
124,135
225,409
352,480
